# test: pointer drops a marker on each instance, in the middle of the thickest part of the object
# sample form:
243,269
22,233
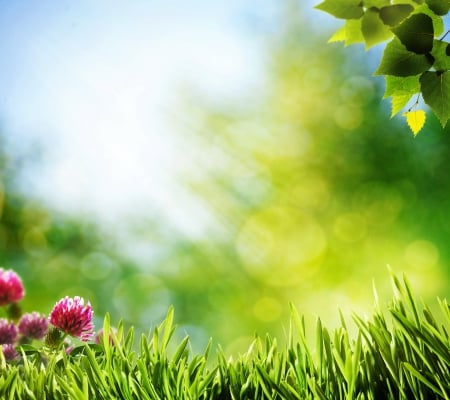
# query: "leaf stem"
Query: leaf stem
416,103
417,100
445,34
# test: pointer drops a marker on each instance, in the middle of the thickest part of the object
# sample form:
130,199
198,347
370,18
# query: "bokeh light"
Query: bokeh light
298,188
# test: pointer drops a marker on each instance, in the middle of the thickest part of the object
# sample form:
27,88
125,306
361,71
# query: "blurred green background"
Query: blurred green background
310,188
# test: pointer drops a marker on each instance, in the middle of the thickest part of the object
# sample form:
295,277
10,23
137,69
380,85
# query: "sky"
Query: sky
93,85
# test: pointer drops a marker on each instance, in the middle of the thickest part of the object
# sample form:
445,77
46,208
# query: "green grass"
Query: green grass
401,352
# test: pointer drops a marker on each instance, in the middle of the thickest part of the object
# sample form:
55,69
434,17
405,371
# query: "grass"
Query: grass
401,352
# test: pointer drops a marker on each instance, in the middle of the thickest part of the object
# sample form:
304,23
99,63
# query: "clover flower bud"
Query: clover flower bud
8,332
9,352
54,337
33,326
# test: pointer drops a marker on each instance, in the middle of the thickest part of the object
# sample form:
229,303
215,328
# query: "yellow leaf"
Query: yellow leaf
415,120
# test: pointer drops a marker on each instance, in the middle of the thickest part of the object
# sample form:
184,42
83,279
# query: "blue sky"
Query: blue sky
95,84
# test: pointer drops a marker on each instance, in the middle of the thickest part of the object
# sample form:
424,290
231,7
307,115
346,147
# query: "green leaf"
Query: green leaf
349,33
438,24
402,86
373,28
419,376
436,93
393,14
439,7
441,57
401,90
416,33
398,102
347,9
398,61
375,3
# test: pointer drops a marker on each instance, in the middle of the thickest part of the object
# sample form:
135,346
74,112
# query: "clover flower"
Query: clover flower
11,288
72,317
8,332
33,326
9,352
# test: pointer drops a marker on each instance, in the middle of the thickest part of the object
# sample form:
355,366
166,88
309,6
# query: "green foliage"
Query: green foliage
415,48
436,92
348,9
416,33
398,61
404,356
393,14
439,7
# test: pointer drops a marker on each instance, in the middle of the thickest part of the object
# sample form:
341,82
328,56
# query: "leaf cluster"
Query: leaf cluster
416,60
406,356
